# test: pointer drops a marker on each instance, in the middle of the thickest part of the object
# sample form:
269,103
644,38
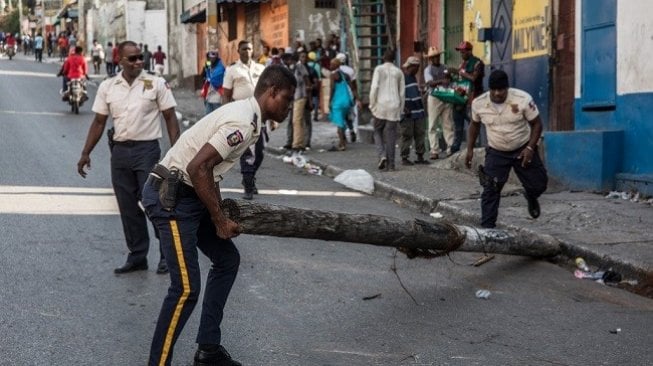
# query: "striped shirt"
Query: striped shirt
414,104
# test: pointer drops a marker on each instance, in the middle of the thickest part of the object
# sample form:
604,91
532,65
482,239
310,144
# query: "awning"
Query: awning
241,1
196,14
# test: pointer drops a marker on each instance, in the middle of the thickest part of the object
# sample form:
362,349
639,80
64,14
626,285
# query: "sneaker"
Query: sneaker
405,161
533,207
382,163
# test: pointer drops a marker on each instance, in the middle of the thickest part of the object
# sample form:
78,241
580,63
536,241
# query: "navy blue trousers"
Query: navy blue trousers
497,165
182,231
250,161
131,162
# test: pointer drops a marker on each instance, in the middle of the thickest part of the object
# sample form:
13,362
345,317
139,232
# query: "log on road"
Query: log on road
415,237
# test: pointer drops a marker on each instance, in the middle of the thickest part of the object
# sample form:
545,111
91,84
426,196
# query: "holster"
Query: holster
110,132
169,190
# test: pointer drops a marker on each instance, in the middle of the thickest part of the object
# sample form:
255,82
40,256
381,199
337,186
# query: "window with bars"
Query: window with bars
325,4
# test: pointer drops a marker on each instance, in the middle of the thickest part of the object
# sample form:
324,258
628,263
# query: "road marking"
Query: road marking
34,200
34,113
28,73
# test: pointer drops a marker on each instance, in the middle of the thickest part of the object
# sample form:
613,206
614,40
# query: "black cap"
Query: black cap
498,80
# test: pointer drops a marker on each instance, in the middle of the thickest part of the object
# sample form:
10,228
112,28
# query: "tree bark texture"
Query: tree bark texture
414,237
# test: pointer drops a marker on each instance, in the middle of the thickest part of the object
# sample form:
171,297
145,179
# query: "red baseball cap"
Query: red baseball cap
464,45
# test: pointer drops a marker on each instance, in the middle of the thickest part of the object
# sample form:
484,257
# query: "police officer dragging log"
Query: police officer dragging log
135,100
514,128
182,198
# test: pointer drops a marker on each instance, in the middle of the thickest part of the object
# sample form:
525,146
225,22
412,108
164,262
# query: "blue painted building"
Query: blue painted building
610,146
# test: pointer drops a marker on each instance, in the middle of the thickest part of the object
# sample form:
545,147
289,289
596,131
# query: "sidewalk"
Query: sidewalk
606,232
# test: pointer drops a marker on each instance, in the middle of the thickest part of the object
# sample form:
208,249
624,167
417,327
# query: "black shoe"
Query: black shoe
131,267
352,136
249,195
219,357
533,207
422,161
162,268
405,161
382,163
287,147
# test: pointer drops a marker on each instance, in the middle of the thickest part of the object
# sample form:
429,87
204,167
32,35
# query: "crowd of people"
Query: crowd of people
244,101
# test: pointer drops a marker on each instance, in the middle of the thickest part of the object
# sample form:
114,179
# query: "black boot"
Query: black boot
248,183
254,190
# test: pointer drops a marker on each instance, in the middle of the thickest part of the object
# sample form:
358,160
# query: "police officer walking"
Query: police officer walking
514,128
239,82
182,198
135,101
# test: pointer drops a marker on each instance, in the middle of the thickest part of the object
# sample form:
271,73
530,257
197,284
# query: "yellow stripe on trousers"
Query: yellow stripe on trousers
176,240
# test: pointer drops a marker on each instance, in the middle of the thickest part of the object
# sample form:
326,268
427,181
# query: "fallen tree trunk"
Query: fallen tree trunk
414,237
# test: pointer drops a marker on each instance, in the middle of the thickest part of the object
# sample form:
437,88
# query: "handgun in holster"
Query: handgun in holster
110,132
172,179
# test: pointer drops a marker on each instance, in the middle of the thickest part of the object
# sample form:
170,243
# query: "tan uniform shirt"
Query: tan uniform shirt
230,129
135,109
507,123
242,79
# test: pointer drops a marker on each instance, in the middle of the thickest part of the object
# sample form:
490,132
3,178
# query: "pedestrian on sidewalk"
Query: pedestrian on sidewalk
136,101
97,54
214,71
38,47
440,117
352,118
108,59
514,129
159,59
472,70
411,127
205,153
147,59
342,100
302,104
240,81
387,100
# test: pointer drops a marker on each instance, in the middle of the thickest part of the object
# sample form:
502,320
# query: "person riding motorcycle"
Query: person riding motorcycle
10,42
75,67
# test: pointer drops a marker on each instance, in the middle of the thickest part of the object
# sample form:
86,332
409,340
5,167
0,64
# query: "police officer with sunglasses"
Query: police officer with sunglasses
134,100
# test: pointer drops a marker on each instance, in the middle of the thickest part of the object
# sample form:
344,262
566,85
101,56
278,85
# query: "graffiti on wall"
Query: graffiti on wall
322,24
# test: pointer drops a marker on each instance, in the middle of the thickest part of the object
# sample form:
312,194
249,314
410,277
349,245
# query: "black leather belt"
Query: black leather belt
184,189
133,142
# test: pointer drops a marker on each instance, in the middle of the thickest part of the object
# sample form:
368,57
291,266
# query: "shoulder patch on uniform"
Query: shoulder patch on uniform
532,105
235,138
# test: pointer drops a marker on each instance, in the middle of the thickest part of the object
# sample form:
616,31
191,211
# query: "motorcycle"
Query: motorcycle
11,51
76,94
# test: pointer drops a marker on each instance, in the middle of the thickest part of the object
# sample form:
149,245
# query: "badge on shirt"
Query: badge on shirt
235,138
147,84
515,108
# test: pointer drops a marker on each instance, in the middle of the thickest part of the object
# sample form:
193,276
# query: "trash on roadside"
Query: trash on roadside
371,297
608,276
580,263
484,259
615,331
313,169
436,215
286,159
298,160
483,294
356,179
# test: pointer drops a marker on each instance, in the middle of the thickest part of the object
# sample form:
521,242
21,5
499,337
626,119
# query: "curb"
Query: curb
568,251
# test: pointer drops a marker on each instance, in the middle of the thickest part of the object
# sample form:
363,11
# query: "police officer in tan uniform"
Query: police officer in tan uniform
192,218
239,82
135,101
514,128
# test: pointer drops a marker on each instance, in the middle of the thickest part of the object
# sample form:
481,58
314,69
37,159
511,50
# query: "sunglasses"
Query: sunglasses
134,58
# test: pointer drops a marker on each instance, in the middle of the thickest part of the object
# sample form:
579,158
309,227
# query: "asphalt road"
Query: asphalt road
295,302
